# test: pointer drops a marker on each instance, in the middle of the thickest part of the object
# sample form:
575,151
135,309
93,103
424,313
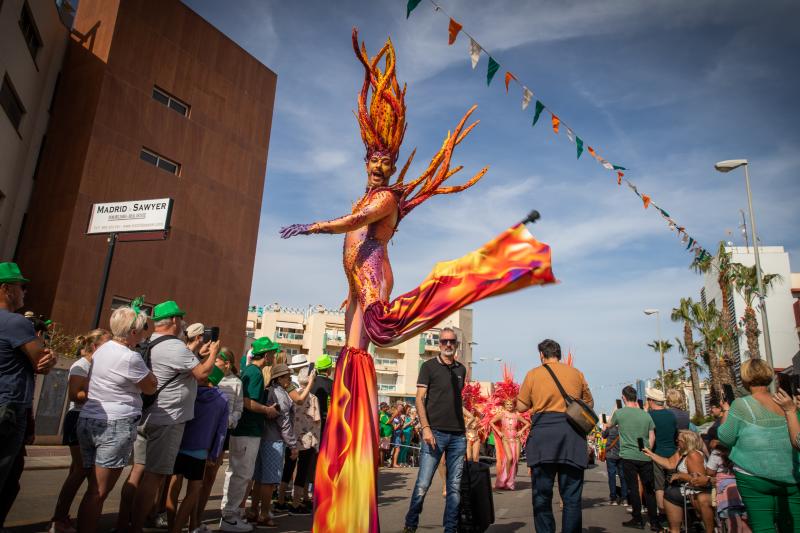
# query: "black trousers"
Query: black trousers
644,471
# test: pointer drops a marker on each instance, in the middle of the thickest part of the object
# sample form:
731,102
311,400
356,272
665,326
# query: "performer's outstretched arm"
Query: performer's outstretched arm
379,205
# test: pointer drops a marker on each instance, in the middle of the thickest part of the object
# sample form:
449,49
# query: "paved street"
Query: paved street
513,509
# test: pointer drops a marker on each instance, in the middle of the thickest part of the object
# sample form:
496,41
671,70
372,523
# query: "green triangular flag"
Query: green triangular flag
664,213
412,4
617,167
579,144
491,70
539,109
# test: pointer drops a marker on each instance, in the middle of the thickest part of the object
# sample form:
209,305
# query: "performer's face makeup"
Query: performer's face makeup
379,169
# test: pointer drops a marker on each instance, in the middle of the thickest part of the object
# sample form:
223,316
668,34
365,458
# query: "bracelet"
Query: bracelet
423,427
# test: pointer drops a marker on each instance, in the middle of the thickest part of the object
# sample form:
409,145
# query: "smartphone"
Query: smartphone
619,403
785,383
727,392
310,367
796,384
640,441
604,419
211,334
641,405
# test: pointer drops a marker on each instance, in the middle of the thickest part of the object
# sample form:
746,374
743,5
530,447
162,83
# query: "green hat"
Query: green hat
167,309
223,355
263,345
323,362
9,273
216,375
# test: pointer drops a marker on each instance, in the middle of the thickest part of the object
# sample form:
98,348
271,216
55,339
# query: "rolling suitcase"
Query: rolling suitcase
476,512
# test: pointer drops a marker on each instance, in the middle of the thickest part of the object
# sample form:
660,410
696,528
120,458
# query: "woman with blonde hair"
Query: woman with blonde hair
689,481
766,466
77,389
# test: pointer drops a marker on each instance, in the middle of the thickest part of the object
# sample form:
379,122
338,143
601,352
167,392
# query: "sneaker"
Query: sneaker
633,523
409,530
234,523
629,508
61,527
621,501
280,507
278,513
613,502
299,510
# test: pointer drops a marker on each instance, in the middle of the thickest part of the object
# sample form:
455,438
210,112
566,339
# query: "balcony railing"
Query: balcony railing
289,336
386,387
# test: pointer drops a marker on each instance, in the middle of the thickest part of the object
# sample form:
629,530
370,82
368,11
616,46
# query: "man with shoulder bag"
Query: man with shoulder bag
560,403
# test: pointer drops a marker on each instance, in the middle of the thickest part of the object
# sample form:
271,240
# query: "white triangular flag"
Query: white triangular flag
571,135
474,52
607,165
527,94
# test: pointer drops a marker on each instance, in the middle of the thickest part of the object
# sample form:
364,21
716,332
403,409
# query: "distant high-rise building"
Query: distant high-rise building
152,102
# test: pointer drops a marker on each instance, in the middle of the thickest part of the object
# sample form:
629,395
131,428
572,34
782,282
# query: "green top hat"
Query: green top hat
263,345
167,309
323,362
9,273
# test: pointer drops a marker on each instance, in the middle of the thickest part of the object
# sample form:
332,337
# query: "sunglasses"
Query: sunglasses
448,341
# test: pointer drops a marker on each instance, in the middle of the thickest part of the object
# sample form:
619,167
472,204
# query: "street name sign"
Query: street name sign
130,217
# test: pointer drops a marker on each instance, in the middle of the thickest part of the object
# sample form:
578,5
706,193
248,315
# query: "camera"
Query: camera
211,334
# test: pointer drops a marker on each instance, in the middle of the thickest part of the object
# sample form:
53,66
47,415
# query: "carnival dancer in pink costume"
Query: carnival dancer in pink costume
511,429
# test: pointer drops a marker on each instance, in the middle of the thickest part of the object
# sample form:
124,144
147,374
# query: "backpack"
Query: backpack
144,350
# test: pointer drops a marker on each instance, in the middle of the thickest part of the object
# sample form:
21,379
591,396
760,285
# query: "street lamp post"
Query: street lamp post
660,348
727,166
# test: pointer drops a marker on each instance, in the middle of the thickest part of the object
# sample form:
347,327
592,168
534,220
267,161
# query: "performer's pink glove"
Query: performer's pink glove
295,229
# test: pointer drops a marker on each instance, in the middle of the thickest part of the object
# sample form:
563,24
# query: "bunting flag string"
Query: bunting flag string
475,50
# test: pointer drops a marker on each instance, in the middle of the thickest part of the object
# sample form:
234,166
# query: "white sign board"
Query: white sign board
128,217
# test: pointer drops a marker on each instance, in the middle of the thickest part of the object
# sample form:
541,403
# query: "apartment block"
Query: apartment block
316,330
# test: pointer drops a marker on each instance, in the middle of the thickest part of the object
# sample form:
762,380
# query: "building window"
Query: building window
163,97
11,103
160,161
29,30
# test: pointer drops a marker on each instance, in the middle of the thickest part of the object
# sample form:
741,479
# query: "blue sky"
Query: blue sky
663,88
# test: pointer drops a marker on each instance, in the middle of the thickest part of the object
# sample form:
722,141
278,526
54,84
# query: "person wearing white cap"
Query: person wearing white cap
666,436
299,366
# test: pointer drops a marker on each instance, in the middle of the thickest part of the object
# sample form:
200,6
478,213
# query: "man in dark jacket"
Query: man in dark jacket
614,466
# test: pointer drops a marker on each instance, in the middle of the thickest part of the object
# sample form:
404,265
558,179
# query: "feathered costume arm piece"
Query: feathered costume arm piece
383,127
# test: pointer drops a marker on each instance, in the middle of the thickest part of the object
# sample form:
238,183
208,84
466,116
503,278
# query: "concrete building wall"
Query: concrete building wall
317,330
33,77
779,302
104,115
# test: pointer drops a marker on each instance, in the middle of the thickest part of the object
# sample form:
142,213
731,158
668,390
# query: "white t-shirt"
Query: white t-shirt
81,368
175,403
113,393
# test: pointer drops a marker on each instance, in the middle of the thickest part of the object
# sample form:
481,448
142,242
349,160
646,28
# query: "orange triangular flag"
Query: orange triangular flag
646,200
556,122
592,152
509,77
453,30
619,178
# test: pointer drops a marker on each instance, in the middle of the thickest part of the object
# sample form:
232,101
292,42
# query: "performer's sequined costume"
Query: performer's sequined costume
345,485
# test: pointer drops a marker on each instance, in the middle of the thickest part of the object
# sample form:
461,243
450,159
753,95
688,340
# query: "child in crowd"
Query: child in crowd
730,507
278,434
231,387
307,422
203,438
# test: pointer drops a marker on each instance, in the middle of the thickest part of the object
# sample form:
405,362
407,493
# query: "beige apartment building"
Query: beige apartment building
317,330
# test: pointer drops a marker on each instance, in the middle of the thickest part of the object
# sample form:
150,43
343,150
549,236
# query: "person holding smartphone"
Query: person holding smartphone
636,430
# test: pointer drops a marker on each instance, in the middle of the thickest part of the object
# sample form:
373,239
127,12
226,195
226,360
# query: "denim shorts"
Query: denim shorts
269,463
106,443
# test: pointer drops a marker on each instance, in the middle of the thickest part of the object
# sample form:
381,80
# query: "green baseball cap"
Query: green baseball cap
263,345
323,362
216,376
167,309
9,273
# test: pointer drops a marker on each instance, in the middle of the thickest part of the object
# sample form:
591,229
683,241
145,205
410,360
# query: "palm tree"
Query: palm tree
661,347
683,313
672,378
721,263
746,283
707,321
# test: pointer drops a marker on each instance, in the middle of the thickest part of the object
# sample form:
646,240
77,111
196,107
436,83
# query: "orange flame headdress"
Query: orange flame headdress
383,126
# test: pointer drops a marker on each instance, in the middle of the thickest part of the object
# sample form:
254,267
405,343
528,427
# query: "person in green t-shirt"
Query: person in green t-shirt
384,430
246,436
666,430
635,424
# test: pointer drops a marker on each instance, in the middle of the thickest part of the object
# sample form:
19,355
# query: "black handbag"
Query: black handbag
579,415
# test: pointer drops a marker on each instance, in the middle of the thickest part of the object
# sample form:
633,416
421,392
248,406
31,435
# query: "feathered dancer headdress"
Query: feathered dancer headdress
506,389
383,127
471,395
